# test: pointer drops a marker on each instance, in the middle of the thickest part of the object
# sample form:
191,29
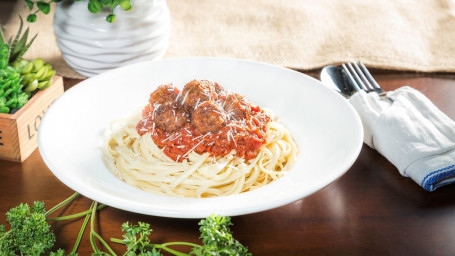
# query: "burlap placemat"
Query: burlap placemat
300,34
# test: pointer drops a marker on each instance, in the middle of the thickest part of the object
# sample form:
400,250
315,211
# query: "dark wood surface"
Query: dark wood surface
371,210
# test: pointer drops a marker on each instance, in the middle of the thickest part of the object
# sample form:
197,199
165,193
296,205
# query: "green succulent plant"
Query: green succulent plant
18,45
20,78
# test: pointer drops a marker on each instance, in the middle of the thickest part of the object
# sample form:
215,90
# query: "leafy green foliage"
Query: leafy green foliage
44,7
11,94
30,234
36,74
20,78
110,17
19,81
30,4
94,6
31,18
125,4
4,52
2,36
218,239
59,252
18,46
136,238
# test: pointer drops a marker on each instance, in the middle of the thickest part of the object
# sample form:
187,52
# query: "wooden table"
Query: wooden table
371,210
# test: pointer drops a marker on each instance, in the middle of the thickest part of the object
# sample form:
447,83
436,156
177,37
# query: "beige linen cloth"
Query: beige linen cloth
300,34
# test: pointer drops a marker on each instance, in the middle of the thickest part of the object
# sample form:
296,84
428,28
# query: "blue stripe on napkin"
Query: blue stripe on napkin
431,181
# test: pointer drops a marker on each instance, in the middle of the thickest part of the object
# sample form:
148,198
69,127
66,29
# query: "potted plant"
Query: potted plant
23,99
94,6
90,45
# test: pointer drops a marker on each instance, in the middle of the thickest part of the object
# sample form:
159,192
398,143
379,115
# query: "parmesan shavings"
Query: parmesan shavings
189,151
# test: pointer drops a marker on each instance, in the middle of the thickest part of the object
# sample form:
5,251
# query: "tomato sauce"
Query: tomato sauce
244,135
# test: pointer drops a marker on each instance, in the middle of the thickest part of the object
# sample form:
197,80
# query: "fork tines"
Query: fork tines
361,78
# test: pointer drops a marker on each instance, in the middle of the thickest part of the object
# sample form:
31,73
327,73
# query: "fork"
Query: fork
361,78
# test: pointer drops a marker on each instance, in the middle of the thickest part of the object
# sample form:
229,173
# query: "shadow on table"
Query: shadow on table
402,190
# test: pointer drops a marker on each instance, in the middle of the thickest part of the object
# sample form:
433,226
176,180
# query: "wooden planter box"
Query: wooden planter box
19,131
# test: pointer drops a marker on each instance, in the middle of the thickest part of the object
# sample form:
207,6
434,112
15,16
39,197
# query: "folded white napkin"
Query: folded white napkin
412,133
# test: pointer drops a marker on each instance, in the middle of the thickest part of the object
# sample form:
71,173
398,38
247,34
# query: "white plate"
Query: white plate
326,128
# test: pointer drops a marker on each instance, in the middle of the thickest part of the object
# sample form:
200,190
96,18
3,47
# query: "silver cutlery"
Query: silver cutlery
350,78
335,77
361,78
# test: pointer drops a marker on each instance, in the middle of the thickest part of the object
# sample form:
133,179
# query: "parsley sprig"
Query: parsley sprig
31,234
216,236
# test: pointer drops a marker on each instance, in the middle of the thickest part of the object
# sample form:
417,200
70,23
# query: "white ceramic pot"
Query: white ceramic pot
91,45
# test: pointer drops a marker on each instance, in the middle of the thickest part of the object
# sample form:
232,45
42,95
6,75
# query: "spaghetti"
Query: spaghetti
199,142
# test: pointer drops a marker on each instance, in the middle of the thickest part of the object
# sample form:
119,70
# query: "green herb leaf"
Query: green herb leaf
25,49
217,237
59,252
18,35
2,36
4,51
30,4
31,18
110,3
44,7
22,99
110,18
11,95
4,110
125,4
136,238
17,48
30,234
95,6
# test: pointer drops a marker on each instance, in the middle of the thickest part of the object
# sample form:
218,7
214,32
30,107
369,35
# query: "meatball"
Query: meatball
170,117
237,106
198,91
208,117
219,90
147,111
164,94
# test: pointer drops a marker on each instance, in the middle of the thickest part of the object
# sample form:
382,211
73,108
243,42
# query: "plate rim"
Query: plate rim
195,214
